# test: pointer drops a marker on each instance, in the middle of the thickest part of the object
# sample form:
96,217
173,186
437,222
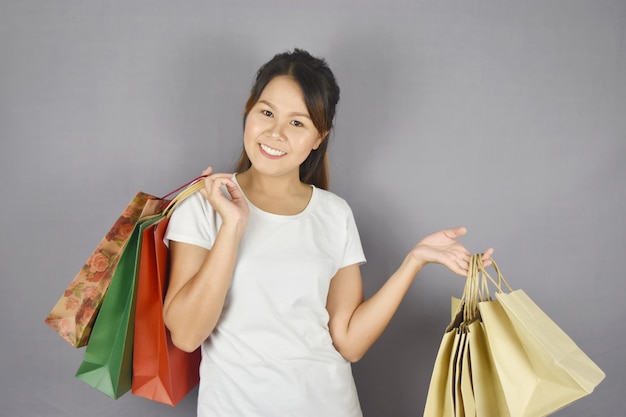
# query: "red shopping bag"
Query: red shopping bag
161,371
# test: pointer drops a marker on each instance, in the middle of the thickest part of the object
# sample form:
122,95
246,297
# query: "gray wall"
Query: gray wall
508,117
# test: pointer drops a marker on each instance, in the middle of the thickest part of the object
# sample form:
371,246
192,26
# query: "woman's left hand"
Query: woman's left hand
441,247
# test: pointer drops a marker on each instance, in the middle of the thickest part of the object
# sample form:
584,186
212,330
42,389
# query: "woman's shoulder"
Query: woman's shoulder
193,221
329,198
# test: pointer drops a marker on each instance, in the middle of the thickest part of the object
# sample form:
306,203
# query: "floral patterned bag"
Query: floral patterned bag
73,315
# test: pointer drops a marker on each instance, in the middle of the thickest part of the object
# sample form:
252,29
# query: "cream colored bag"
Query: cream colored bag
504,357
540,368
463,381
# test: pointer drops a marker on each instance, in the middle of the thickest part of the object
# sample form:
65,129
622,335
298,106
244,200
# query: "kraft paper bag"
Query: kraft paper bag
73,315
503,356
489,400
540,368
441,397
450,393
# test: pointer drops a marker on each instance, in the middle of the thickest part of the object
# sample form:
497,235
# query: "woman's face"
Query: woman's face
279,133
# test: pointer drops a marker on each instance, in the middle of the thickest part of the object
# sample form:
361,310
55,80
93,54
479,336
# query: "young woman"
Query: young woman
265,262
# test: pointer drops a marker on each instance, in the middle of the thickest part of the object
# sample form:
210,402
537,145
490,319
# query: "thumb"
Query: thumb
455,233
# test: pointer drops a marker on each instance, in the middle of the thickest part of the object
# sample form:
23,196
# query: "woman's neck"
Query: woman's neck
277,195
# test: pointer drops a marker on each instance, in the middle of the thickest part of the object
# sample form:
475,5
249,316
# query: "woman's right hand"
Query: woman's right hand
232,210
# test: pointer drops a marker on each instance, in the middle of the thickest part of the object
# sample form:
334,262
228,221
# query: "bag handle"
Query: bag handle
485,275
477,289
472,295
187,190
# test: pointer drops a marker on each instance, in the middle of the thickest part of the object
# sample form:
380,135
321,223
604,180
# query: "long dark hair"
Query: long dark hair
321,95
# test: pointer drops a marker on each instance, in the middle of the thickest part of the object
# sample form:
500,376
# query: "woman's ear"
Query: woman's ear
319,140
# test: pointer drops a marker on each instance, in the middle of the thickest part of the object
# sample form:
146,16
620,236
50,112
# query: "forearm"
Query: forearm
372,316
193,312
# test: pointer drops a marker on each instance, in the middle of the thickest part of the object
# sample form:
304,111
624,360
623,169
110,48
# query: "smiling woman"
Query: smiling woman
265,272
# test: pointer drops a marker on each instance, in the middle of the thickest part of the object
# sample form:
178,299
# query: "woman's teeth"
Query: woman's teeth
271,151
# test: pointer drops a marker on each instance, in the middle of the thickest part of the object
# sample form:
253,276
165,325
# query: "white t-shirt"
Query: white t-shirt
271,353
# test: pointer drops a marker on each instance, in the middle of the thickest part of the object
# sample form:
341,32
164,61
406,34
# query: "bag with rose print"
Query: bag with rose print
73,315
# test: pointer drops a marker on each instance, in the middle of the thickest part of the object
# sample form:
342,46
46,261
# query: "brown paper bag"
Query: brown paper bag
540,368
440,401
450,393
73,315
504,357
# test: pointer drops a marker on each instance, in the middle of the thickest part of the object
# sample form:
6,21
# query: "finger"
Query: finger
460,251
223,181
455,233
463,264
213,183
233,189
218,181
487,257
460,271
207,171
219,176
211,180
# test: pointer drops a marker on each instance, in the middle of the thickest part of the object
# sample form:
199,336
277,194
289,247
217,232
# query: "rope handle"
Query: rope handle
467,310
187,190
477,289
190,183
486,275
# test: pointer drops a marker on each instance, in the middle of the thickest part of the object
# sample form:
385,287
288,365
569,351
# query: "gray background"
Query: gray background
508,117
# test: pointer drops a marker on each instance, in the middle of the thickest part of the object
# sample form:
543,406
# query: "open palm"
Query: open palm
442,248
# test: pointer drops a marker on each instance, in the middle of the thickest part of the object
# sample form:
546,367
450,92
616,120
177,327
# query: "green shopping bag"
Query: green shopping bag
107,363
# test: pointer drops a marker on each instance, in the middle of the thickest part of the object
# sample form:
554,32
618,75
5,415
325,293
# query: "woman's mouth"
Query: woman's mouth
271,151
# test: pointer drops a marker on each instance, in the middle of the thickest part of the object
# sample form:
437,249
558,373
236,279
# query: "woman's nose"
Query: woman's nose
277,131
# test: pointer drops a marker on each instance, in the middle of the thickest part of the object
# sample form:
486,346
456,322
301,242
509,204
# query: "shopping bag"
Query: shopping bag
451,389
107,362
540,368
440,400
488,396
480,386
161,371
469,377
73,315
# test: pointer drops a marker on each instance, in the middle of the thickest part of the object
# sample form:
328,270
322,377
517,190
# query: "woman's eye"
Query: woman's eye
297,123
267,113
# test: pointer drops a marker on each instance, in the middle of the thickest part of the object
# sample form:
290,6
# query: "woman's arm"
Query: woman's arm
356,324
199,282
200,278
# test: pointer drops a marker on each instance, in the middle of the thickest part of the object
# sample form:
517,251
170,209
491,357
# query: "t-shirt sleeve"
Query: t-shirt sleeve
353,253
194,221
